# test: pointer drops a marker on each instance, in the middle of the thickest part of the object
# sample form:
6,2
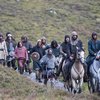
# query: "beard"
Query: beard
74,38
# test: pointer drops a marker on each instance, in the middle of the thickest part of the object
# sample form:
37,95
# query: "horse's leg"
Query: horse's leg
73,86
96,85
93,84
68,85
60,67
65,85
80,85
64,77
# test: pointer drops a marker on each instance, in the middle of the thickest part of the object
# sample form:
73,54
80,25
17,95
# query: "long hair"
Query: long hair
54,44
18,45
66,36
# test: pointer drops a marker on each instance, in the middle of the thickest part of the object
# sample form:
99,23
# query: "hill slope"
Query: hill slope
13,86
52,18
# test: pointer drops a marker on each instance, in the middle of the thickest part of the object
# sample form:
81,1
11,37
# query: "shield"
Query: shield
35,56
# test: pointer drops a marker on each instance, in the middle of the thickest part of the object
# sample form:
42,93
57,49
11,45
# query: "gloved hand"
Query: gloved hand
71,57
64,54
97,58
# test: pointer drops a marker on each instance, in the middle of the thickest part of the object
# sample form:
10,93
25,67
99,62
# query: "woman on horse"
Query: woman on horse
28,46
93,48
3,50
21,55
11,45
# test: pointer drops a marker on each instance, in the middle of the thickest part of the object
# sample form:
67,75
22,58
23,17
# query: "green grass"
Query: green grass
33,16
34,19
14,86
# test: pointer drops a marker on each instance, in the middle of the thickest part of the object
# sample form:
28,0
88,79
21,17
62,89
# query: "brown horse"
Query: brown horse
77,73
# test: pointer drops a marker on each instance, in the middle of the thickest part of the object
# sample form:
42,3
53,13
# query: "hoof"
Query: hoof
75,91
80,90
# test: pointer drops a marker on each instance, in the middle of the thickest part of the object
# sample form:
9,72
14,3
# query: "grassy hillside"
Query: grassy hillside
52,18
13,86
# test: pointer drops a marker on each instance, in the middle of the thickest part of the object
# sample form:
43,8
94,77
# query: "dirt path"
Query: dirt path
57,84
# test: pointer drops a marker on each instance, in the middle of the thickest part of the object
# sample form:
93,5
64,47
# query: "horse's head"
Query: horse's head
80,55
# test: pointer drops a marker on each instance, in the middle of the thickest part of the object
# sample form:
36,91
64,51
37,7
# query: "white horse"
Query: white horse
77,72
94,82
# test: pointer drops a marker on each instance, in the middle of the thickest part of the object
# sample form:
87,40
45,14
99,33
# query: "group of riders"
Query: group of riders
45,56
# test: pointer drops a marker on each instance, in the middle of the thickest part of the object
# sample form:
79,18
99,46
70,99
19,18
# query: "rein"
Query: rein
94,69
77,71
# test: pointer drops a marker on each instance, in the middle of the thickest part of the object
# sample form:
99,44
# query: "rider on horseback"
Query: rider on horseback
93,48
65,50
76,44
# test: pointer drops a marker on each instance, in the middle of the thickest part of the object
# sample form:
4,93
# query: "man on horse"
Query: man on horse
93,48
77,45
65,50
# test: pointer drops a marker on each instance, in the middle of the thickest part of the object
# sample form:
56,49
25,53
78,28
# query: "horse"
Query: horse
77,72
94,79
65,74
58,62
